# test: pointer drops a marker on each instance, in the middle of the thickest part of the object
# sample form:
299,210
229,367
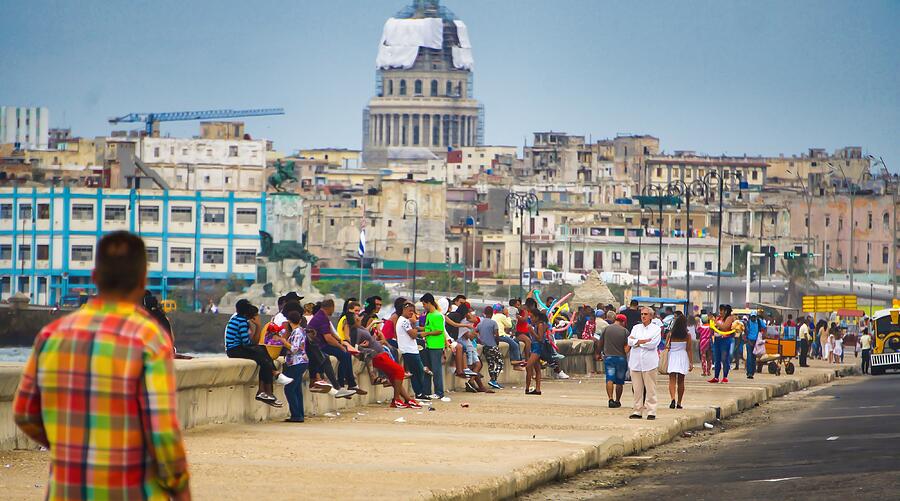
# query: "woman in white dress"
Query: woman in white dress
837,351
680,359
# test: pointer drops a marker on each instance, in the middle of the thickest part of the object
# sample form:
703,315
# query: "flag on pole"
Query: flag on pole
361,250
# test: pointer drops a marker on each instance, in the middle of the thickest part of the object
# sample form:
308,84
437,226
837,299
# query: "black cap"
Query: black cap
292,296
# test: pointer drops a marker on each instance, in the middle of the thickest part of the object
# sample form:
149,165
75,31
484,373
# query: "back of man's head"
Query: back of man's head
120,266
633,304
328,304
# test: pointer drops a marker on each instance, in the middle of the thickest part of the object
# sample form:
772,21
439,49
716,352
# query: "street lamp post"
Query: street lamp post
807,197
720,176
654,193
521,202
412,207
660,258
700,189
853,191
895,186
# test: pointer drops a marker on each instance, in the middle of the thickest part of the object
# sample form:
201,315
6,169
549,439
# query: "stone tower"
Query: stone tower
423,101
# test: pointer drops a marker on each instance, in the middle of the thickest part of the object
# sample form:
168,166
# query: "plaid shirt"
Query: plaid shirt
99,391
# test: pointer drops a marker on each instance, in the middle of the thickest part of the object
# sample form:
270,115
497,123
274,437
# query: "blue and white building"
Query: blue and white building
48,236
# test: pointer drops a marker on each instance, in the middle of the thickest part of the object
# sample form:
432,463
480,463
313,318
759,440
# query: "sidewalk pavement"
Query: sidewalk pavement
495,447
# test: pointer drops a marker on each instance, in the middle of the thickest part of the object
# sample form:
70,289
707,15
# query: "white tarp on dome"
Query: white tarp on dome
462,55
401,39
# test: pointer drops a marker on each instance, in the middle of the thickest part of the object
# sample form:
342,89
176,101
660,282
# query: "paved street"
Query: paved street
835,443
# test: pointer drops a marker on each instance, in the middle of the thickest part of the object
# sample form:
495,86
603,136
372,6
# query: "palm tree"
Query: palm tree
799,275
740,260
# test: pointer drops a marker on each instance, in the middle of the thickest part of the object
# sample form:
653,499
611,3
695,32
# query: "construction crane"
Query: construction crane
151,120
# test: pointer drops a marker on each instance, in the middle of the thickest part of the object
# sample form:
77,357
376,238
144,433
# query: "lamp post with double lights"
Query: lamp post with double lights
854,189
660,258
719,176
659,196
521,202
411,207
698,188
891,183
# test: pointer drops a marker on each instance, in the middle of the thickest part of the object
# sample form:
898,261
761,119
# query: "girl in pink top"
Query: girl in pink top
704,336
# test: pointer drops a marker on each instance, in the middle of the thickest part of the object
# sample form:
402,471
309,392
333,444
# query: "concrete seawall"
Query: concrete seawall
222,390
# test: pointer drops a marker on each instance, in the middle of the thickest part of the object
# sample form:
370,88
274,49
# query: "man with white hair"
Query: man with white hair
643,362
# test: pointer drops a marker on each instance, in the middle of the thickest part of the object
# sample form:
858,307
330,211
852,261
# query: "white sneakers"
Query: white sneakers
562,375
282,379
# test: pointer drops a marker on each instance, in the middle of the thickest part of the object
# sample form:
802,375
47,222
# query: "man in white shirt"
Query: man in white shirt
643,361
865,342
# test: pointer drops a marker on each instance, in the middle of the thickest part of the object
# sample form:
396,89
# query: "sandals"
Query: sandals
533,392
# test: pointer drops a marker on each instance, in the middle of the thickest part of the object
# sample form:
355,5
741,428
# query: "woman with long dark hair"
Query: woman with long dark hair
533,367
681,359
723,342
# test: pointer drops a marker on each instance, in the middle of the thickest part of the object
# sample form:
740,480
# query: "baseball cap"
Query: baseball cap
621,318
498,307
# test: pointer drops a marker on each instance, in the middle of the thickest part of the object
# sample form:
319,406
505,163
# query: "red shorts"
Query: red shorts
390,368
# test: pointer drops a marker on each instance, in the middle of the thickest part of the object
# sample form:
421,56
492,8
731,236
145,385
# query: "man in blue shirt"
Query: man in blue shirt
755,327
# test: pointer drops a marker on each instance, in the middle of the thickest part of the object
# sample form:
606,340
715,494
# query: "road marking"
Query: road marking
776,479
858,416
832,438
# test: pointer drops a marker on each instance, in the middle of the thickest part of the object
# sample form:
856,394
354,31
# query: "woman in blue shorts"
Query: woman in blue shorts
538,331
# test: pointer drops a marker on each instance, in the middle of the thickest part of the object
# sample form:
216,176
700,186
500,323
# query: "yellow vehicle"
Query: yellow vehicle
886,341
168,305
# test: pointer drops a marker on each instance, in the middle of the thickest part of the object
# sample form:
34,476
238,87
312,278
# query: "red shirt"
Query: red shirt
388,328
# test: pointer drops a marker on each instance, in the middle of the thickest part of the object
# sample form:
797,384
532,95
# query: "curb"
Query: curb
535,475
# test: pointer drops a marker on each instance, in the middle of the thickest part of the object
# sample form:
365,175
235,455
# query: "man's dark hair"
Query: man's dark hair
328,303
633,303
458,297
121,263
281,301
294,316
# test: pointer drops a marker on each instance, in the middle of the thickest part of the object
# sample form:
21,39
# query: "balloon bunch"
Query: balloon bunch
554,310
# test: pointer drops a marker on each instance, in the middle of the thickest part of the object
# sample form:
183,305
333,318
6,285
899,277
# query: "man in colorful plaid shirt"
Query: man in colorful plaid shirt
99,391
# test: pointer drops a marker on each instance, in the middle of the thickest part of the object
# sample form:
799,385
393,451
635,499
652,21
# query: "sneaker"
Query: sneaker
434,397
265,397
470,373
618,404
445,399
558,356
651,417
276,403
562,375
713,380
282,379
750,377
635,416
724,379
323,384
495,384
471,388
672,405
359,391
612,404
412,404
344,393
423,397
399,404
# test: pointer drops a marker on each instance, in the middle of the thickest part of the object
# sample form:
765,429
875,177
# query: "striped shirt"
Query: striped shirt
237,332
99,391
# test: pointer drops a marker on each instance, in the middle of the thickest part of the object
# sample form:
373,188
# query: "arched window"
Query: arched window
886,221
390,87
884,255
434,88
418,87
402,87
449,88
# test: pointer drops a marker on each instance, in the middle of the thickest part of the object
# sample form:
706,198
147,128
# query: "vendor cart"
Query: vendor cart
781,344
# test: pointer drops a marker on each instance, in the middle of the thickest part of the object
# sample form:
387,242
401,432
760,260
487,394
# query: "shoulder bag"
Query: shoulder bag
663,367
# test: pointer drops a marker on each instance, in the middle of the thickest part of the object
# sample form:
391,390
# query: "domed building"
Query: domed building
423,87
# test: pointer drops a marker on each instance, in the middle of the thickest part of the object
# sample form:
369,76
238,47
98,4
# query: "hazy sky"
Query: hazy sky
755,77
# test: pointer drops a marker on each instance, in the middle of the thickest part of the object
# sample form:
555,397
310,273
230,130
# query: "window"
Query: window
617,257
245,216
43,252
213,256
182,214
884,255
232,151
653,264
827,221
659,172
402,87
245,256
434,88
691,264
579,259
82,212
25,212
180,255
886,221
598,260
840,224
82,252
869,221
214,215
5,252
5,211
390,87
674,265
418,87
152,254
156,152
559,258
44,211
449,89
149,214
707,266
114,213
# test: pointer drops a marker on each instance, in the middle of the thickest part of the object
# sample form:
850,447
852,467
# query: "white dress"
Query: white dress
678,358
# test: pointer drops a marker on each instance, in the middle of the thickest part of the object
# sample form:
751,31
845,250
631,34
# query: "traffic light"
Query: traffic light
791,255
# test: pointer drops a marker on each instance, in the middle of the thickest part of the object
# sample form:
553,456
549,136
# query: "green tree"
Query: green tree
740,260
800,275
443,281
344,289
